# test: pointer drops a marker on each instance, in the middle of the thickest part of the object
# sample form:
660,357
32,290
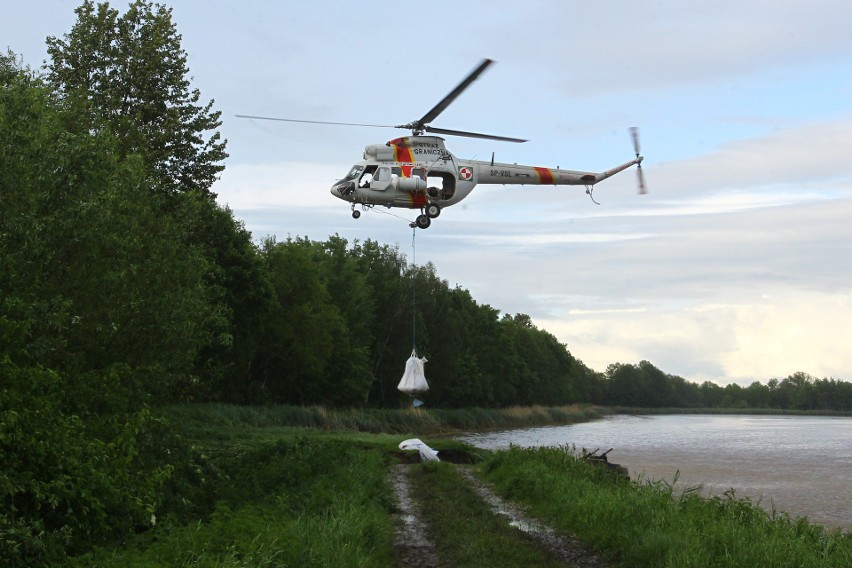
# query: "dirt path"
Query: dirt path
411,538
571,551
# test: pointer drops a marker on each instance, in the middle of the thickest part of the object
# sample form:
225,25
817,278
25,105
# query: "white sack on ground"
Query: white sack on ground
414,379
426,453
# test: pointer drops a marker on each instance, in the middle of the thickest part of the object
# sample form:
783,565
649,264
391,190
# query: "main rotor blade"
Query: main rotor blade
471,134
446,101
315,121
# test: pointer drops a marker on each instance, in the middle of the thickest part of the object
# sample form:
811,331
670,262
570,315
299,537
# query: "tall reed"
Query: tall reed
394,421
649,524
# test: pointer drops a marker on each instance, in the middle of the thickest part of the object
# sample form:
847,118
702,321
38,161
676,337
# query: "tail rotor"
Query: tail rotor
634,133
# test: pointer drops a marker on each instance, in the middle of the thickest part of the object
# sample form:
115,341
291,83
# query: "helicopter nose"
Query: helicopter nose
343,190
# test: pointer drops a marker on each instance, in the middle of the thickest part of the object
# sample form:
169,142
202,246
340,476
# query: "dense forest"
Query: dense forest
124,285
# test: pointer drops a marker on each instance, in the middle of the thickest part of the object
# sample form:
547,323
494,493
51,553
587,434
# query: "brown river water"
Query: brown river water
801,465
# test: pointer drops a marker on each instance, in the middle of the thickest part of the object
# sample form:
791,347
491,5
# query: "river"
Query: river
801,465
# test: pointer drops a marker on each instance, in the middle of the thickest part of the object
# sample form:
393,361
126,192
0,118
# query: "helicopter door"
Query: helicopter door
367,177
381,179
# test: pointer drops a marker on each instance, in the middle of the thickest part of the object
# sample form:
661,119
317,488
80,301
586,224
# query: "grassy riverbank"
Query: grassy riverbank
256,487
428,421
647,524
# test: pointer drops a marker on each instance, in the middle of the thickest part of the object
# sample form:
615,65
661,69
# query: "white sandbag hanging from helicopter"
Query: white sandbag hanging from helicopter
414,379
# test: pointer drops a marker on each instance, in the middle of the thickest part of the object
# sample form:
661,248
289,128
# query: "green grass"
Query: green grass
253,487
648,525
464,529
211,418
296,502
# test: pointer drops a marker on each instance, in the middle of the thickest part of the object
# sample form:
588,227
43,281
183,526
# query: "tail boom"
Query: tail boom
515,174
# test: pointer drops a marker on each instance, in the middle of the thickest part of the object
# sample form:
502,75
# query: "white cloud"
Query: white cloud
796,157
615,45
277,185
757,339
791,331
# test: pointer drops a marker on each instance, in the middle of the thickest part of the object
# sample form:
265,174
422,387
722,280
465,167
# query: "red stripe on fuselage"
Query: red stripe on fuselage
402,153
544,175
418,198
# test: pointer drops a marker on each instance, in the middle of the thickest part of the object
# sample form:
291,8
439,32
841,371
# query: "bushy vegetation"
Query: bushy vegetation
375,420
647,524
645,386
257,493
292,502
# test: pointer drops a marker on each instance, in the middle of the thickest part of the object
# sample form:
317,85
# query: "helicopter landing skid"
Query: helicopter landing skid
432,210
423,221
427,213
355,213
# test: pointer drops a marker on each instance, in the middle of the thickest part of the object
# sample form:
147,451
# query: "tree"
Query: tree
522,320
307,356
238,283
686,393
659,386
384,269
100,308
89,261
10,67
757,395
457,358
347,285
628,385
129,74
801,392
733,397
711,394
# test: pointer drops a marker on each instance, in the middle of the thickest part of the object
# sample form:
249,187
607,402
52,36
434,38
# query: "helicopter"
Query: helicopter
418,172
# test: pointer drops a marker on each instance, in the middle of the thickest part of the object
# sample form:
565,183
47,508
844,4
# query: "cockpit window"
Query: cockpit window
353,173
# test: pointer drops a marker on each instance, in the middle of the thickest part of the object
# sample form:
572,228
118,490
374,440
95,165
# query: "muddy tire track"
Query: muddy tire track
570,550
411,543
413,547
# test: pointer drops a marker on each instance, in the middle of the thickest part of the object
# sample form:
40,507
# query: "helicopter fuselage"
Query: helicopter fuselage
408,172
418,172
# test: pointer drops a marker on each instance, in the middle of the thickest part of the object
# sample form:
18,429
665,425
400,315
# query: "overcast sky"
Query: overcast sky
737,266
